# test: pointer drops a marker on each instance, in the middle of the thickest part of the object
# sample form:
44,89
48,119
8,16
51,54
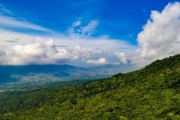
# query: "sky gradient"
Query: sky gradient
86,33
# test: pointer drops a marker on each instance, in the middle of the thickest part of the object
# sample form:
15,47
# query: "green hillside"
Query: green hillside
150,93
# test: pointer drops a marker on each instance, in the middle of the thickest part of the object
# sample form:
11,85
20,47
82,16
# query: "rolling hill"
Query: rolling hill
148,94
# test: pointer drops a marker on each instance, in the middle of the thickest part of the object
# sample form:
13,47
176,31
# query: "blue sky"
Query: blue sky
94,24
122,19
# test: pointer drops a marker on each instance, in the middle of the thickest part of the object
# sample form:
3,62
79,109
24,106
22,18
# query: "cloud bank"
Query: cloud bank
46,52
160,36
41,52
21,48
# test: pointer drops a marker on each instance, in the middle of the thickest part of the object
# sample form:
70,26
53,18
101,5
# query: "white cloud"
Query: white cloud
29,49
77,23
85,53
100,61
122,57
19,38
41,52
160,36
23,48
103,43
78,30
45,51
89,29
11,22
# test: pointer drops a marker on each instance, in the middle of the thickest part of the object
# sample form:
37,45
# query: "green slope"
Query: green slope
150,93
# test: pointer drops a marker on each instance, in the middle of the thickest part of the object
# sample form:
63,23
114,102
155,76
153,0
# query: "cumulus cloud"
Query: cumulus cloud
27,49
100,61
44,51
122,57
85,53
160,36
17,48
41,52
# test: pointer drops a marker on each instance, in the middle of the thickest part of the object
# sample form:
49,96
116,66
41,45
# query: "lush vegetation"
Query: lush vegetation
150,93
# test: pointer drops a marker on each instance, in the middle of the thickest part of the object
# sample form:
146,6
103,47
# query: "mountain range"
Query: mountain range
151,93
33,76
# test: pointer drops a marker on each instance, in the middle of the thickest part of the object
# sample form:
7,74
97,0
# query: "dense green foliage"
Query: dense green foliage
150,93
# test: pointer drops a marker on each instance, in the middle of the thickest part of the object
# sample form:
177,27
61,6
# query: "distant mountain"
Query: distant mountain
150,93
37,75
33,75
8,73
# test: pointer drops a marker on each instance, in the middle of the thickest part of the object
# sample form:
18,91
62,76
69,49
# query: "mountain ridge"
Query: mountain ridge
150,93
